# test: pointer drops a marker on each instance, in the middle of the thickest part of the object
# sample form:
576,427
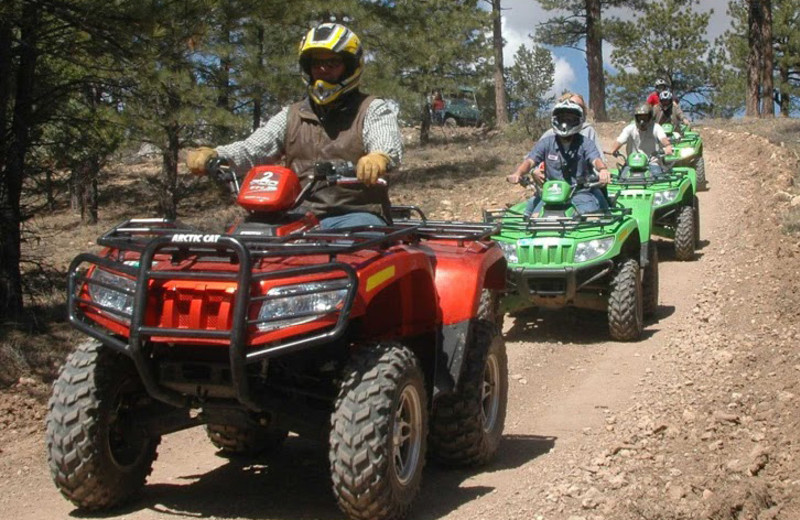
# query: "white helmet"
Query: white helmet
567,118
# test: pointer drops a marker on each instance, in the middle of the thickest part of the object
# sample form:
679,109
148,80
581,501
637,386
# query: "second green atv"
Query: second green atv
559,258
688,151
675,206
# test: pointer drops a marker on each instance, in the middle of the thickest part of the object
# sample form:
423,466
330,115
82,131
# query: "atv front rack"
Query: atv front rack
515,221
151,237
627,182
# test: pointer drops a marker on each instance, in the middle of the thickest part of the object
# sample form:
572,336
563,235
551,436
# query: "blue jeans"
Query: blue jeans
357,219
585,201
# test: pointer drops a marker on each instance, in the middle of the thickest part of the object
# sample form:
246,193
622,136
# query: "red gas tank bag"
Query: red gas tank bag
269,188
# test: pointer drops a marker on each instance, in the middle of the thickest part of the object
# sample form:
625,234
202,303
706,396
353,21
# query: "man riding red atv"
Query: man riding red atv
381,339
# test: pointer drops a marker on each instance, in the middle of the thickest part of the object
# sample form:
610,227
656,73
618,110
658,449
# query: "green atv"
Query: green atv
675,207
559,258
688,147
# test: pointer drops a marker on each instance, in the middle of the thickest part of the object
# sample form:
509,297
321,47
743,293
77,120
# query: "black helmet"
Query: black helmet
567,118
643,115
661,84
665,98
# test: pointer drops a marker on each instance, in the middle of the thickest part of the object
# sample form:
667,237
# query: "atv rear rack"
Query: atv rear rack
151,237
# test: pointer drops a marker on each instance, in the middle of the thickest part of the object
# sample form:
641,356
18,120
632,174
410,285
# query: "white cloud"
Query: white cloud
514,40
564,76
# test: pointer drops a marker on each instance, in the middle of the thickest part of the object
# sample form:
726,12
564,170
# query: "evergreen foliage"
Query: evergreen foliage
665,40
529,81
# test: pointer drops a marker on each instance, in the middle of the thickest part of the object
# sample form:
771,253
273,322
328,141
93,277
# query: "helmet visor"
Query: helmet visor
568,119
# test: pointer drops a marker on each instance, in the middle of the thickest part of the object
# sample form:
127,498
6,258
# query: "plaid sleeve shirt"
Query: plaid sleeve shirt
266,145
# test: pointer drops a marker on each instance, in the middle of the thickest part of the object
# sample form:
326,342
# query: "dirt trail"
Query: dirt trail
569,393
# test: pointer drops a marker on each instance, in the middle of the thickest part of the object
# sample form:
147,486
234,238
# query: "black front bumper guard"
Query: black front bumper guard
519,279
239,355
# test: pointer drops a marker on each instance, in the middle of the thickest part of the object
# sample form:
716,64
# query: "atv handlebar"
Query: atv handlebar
220,169
330,172
338,172
588,182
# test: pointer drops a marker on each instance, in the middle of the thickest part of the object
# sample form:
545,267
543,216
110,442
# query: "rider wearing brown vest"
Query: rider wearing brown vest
335,122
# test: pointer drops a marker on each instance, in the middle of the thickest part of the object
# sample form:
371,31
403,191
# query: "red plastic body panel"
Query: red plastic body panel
269,189
462,272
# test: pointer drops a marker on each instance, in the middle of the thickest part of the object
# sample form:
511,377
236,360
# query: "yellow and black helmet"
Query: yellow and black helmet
336,38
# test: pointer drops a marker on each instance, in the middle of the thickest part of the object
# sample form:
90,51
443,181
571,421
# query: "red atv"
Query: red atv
381,339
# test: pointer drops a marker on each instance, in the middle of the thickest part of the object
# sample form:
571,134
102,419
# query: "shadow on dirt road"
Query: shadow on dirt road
295,484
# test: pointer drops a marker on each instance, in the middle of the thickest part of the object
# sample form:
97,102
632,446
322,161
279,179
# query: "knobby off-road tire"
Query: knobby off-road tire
700,170
685,234
650,282
466,427
489,308
379,433
696,222
238,441
98,456
625,302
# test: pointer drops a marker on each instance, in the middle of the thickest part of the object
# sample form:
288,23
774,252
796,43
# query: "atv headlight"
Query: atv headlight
301,303
116,293
686,152
591,249
510,251
664,197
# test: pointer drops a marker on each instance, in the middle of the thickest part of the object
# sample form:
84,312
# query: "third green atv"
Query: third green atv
688,151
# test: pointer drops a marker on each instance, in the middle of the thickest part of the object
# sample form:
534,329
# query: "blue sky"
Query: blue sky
520,18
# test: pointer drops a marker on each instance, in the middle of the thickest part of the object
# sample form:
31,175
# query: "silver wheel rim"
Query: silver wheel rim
490,395
407,434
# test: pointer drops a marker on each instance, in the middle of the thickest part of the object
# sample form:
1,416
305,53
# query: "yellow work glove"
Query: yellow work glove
196,159
372,167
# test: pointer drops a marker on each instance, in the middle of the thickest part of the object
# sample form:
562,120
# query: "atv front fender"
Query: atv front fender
460,276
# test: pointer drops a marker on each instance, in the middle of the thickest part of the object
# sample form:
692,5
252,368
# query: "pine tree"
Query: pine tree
529,80
50,55
659,44
733,50
583,29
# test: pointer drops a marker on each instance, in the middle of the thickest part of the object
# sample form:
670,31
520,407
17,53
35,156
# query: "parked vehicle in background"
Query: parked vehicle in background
461,108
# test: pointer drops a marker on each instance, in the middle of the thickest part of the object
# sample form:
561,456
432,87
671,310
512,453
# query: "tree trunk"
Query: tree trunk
170,165
501,103
594,60
754,58
767,99
258,95
85,189
785,99
5,86
425,125
14,168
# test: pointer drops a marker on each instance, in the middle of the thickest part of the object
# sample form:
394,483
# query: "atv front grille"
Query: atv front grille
197,309
551,254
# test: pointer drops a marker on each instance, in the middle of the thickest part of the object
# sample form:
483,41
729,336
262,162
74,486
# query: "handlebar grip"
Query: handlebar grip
354,180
